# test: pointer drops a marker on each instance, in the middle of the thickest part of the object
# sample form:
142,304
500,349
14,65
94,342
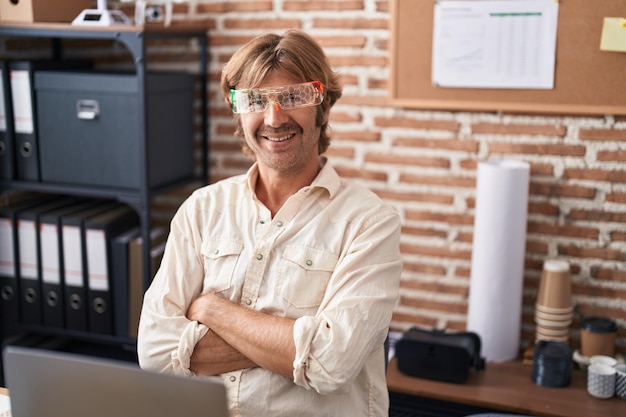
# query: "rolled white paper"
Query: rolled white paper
497,272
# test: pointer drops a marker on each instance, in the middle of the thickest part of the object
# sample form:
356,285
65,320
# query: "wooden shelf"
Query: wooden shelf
508,387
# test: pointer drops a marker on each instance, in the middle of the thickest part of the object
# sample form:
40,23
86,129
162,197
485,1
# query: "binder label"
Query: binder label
7,253
72,256
27,233
22,102
49,254
97,260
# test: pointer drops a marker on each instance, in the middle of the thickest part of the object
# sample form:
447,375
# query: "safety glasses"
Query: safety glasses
287,97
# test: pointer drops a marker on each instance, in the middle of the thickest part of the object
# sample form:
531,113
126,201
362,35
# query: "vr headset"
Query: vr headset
434,354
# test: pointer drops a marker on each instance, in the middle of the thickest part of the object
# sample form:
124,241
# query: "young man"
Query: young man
282,280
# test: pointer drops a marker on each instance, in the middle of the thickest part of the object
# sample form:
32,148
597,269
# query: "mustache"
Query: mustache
268,130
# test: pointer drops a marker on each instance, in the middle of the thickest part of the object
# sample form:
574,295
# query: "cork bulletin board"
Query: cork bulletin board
587,80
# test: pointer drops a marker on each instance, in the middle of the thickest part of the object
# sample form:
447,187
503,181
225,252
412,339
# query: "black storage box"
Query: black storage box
89,128
433,354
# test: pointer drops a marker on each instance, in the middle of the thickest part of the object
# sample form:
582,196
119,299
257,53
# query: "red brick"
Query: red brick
588,310
358,61
560,190
225,146
362,101
464,237
433,305
598,215
345,117
592,252
598,291
618,236
407,160
381,44
541,169
423,232
450,218
356,23
606,274
518,129
470,164
234,6
263,24
340,151
341,41
422,268
227,129
357,136
594,174
416,197
376,83
445,180
228,40
397,122
462,272
537,149
448,144
602,135
612,156
348,79
568,230
382,6
435,287
535,247
337,5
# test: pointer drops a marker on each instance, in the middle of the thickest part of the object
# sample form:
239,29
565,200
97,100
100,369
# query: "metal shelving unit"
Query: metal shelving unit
133,38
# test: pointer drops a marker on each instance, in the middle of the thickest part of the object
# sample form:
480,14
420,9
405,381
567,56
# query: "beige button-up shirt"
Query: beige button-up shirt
329,258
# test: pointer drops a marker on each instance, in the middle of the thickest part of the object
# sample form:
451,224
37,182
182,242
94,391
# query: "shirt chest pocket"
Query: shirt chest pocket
220,257
304,275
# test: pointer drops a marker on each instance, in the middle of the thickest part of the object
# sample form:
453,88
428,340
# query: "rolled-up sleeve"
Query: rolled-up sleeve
166,338
353,320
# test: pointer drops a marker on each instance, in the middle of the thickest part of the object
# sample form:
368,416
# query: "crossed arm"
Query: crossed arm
240,338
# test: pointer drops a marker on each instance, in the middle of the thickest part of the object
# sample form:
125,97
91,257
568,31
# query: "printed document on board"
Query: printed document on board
494,43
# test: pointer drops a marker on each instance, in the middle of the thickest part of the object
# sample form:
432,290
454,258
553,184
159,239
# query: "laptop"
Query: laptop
46,383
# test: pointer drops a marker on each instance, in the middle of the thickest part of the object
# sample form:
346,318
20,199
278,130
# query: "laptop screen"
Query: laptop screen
45,383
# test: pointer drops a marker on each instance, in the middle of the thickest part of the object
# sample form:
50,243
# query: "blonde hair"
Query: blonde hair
295,53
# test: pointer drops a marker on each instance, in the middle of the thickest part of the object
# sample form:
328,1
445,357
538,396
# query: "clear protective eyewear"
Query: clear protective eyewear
287,97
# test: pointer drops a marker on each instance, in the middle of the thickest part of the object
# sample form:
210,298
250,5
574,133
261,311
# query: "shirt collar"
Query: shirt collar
327,178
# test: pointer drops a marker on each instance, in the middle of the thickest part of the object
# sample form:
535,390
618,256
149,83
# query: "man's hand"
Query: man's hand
213,356
252,337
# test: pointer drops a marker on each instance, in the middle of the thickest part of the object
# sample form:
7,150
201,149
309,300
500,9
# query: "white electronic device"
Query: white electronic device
101,17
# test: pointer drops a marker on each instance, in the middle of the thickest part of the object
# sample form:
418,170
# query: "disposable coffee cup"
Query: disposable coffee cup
597,336
553,324
541,314
620,381
555,290
601,381
603,360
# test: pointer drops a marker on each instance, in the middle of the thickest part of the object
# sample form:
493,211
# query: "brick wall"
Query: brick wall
424,163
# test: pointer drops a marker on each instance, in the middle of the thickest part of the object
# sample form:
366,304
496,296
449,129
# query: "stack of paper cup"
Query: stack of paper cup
553,311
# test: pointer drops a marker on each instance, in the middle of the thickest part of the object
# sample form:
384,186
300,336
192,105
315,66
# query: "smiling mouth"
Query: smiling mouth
281,138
